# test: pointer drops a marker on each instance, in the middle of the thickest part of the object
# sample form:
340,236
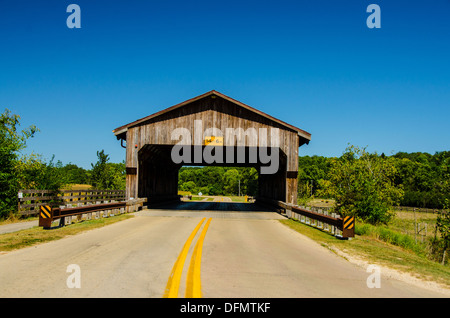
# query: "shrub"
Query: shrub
363,185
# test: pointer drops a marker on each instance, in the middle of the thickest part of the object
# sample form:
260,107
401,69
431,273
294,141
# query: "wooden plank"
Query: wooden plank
35,191
68,197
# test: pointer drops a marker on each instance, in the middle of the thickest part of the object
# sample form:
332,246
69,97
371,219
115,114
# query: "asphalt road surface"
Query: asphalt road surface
245,252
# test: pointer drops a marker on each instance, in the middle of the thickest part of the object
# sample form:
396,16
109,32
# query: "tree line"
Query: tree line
218,180
423,178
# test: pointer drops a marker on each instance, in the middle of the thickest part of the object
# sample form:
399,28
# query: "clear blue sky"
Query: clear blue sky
314,64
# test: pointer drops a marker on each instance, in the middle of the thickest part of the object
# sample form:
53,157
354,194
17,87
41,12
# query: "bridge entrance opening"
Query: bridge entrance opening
225,185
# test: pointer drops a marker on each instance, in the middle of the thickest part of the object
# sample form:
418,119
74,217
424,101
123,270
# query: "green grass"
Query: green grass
37,235
237,198
390,236
383,246
404,221
17,219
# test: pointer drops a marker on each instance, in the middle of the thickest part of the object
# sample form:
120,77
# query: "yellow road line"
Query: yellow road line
173,283
193,282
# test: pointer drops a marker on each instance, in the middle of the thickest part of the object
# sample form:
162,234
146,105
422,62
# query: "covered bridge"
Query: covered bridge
210,129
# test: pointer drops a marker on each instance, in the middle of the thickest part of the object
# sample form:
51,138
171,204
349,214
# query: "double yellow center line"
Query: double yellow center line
193,283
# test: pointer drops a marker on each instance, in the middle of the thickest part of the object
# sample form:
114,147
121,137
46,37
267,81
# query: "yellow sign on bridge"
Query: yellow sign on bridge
213,141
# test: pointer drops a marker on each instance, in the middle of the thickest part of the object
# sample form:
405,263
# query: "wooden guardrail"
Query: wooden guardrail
334,223
31,200
48,215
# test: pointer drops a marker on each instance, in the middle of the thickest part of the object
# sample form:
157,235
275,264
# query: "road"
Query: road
245,253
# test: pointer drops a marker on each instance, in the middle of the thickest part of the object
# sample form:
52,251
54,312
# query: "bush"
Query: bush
362,185
390,236
363,229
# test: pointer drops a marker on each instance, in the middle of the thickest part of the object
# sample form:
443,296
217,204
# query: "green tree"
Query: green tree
75,174
249,181
311,170
118,172
105,175
189,186
443,226
424,177
363,185
34,173
231,181
12,141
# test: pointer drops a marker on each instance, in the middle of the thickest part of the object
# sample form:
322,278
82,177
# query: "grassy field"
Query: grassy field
320,203
237,198
406,221
233,198
194,198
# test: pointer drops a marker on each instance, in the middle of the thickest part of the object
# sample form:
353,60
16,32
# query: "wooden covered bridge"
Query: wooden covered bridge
210,129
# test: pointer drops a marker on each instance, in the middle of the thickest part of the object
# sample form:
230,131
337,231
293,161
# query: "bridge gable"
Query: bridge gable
212,108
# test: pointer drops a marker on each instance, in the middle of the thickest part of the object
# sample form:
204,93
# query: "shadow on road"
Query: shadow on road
212,206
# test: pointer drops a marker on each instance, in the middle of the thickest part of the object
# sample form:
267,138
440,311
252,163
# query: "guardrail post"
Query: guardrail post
348,227
45,216
68,220
288,211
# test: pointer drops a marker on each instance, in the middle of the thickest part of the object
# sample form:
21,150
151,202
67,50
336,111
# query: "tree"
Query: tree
362,185
311,170
118,171
105,175
249,181
75,174
189,186
424,177
231,181
443,226
12,141
34,173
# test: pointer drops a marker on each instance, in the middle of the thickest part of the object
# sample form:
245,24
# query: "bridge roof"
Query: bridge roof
121,131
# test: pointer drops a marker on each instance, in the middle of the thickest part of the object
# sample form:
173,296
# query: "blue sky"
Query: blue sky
314,64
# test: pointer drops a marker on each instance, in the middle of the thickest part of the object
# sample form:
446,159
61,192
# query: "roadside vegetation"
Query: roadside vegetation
366,186
37,235
410,242
423,178
381,246
20,171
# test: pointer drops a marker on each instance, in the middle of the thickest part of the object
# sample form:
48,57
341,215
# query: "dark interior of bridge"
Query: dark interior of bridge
158,179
